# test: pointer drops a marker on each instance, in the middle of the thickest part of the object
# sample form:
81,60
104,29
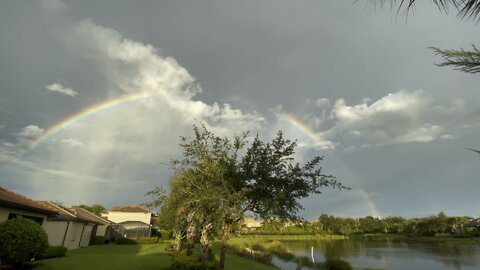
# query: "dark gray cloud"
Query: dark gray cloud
364,84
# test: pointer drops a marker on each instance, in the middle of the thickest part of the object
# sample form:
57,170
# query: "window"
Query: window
38,220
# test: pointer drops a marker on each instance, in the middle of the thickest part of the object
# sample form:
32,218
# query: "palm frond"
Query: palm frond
466,8
467,61
471,149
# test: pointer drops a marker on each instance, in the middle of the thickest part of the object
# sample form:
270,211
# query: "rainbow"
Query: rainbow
318,140
85,113
304,128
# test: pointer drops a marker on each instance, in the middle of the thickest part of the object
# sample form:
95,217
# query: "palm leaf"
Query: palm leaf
467,61
465,8
471,149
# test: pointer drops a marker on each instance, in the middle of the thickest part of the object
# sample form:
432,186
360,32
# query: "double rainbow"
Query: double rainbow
102,106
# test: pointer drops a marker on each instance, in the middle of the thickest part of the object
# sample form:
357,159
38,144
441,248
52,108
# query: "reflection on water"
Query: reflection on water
386,254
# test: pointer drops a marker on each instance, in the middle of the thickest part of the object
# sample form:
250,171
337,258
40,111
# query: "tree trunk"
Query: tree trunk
223,247
177,241
205,242
191,232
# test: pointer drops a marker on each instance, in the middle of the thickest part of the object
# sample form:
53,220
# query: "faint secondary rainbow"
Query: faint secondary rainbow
85,113
320,141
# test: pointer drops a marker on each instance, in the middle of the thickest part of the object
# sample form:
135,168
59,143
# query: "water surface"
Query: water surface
385,254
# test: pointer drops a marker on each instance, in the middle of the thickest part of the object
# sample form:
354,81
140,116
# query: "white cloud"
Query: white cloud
400,117
30,132
73,142
58,88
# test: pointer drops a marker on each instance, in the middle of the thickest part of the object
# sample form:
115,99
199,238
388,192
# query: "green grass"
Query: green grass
129,257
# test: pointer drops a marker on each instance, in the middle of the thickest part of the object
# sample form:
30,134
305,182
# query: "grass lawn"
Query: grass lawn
129,257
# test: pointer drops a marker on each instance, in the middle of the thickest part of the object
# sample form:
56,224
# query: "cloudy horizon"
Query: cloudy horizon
93,99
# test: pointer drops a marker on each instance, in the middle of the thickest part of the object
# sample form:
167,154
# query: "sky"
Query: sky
94,96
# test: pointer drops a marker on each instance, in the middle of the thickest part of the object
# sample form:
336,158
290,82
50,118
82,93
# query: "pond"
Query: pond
383,254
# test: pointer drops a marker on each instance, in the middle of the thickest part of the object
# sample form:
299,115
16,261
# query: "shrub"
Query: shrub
21,240
164,234
54,252
99,240
247,252
180,261
137,241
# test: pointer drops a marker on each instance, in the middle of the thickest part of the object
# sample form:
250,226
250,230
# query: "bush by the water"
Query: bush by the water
137,241
180,261
21,240
258,253
54,252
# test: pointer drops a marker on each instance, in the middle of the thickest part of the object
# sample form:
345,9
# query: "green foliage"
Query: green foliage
99,240
21,240
54,252
180,261
97,209
165,234
435,225
275,182
253,253
138,241
466,61
158,195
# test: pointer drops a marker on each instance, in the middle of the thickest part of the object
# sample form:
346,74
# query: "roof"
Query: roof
63,213
473,223
14,200
88,216
130,208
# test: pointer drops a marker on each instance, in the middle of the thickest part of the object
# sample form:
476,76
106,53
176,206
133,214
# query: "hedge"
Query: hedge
99,240
138,241
54,252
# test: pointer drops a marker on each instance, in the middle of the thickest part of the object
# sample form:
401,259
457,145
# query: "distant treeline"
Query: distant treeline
329,224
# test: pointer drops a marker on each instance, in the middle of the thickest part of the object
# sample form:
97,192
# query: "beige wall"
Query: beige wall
55,231
4,212
73,235
118,217
101,230
87,232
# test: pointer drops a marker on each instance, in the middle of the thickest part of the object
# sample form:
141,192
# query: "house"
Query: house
68,229
473,223
102,226
13,205
251,224
131,221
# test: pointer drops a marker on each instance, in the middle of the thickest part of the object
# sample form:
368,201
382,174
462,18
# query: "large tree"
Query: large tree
464,60
218,185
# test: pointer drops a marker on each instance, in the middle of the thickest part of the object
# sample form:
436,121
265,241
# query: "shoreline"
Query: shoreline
450,239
